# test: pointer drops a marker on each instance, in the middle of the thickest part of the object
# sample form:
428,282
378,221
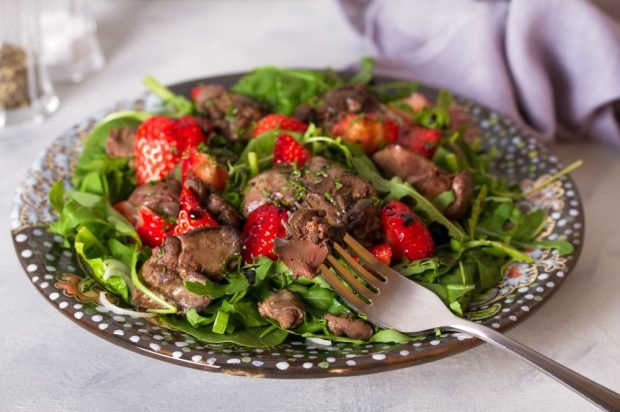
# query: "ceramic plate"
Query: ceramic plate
54,271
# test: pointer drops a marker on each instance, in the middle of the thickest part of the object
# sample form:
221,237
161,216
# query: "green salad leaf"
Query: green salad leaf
97,173
254,337
285,89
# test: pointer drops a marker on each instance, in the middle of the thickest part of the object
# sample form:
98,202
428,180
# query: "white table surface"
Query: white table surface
48,363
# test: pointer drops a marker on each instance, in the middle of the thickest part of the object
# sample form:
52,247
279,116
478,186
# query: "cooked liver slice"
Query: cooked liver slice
284,307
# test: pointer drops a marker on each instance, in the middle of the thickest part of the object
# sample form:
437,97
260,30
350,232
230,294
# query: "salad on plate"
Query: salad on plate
213,215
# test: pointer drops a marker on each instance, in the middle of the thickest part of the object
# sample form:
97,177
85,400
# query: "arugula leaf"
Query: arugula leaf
285,89
476,210
500,247
367,68
530,226
177,105
451,294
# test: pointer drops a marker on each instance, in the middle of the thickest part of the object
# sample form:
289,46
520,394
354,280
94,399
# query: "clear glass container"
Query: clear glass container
26,94
71,50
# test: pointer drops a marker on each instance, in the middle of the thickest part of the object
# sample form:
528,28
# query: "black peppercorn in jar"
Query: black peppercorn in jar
13,77
26,93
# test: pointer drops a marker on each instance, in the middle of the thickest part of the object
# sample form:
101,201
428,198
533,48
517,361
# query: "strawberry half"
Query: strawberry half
287,150
160,144
421,141
371,131
383,252
151,227
260,231
206,168
279,122
192,215
405,232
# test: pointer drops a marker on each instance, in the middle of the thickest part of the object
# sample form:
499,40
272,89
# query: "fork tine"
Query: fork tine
374,281
372,262
342,290
348,277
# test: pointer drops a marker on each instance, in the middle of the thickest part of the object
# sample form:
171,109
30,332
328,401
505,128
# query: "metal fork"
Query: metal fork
392,301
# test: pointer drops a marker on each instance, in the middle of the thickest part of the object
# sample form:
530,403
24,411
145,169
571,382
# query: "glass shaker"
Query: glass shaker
26,93
70,47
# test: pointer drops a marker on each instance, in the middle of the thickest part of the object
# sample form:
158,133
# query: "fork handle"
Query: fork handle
597,394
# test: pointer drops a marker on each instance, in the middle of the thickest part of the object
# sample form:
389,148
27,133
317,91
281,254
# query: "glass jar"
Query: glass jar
26,93
70,47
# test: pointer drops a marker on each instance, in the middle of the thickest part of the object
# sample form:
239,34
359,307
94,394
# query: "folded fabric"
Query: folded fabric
552,65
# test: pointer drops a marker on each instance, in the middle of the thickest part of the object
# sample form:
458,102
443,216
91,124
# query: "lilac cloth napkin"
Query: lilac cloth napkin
553,65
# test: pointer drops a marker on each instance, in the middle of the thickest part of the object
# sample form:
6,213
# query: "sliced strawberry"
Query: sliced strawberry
287,150
192,215
260,231
160,143
279,122
196,92
383,252
405,232
371,131
421,140
151,227
206,168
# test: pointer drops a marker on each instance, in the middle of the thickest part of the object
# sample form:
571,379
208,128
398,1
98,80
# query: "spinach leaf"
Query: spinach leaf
245,313
94,171
393,336
234,284
256,337
285,89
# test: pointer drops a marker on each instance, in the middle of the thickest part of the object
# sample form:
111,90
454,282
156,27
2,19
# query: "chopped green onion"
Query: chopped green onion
221,322
253,164
443,200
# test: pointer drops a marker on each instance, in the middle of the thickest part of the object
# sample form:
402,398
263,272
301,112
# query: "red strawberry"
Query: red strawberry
279,121
160,143
383,252
405,232
195,93
206,168
260,231
288,150
192,214
370,130
151,227
421,141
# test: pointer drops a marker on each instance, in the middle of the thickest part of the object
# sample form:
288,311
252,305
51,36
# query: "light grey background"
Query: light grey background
48,363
